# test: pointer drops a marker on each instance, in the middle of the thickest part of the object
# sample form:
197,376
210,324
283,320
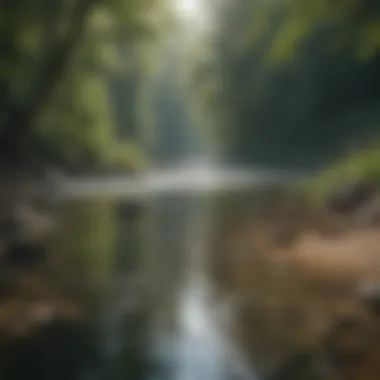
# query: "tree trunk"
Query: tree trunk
20,118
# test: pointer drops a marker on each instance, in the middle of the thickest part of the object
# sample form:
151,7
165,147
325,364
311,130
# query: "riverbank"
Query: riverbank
292,275
35,309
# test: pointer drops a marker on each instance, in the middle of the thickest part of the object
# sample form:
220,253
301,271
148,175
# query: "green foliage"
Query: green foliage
78,125
353,24
296,82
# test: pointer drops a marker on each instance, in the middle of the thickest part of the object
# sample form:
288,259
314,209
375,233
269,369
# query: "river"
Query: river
160,318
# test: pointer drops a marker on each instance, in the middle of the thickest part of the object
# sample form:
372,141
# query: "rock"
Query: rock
22,256
368,215
24,235
369,294
26,223
351,195
346,342
42,313
285,235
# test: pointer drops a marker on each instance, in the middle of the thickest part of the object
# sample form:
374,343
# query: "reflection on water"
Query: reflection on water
152,296
195,350
201,352
150,309
142,286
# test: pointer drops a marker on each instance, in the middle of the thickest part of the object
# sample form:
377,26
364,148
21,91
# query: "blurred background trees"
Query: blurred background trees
277,82
71,78
291,83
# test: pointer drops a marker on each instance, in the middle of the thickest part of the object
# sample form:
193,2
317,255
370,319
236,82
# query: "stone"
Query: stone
368,215
22,256
351,195
369,294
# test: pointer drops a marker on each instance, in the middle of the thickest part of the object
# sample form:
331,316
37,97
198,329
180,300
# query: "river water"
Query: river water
159,317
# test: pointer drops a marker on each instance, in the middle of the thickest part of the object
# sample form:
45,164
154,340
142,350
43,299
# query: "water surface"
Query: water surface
158,315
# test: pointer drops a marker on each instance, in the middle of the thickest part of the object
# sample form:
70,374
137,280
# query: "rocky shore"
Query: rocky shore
305,284
43,330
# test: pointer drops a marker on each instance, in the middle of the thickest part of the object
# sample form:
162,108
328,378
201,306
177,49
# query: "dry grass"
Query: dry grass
352,256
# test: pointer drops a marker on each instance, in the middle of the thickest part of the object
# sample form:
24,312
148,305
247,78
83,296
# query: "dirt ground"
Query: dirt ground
291,292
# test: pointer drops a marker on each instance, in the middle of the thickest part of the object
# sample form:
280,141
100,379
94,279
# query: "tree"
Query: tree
297,84
51,58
